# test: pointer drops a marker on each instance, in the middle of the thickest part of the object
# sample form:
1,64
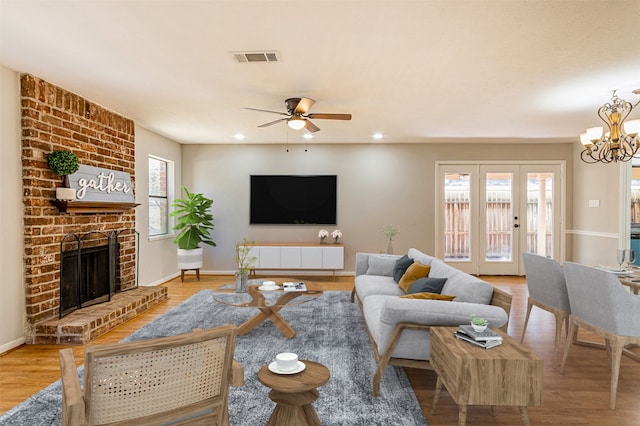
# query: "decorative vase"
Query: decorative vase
390,247
323,240
241,281
65,194
335,240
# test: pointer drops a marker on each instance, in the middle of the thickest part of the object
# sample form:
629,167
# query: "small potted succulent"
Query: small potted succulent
64,163
479,324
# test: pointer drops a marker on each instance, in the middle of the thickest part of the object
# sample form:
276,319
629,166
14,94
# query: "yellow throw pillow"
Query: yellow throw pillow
429,296
415,271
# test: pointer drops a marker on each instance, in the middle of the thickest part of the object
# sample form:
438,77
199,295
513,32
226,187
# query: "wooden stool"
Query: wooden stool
294,393
182,271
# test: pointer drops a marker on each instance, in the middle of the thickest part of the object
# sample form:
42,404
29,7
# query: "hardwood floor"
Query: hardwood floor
578,397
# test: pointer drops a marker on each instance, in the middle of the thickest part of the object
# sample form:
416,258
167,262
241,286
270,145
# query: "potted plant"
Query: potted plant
245,263
479,324
390,231
194,222
64,163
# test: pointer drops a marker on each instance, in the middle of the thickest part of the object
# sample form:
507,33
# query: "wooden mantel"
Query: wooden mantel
92,206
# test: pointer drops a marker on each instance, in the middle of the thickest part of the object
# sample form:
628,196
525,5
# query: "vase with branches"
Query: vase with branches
245,261
390,231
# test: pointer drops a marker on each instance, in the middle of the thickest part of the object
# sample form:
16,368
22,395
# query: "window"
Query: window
158,196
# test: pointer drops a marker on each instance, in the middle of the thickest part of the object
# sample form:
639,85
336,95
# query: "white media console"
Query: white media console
297,256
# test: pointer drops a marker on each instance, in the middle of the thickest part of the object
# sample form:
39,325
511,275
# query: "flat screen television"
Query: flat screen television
288,199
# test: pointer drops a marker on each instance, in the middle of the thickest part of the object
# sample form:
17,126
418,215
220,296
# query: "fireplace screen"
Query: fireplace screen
89,266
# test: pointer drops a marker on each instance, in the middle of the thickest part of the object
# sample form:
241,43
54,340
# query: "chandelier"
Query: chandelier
620,142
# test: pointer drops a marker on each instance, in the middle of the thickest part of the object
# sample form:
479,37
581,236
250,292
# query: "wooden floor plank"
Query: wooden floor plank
578,397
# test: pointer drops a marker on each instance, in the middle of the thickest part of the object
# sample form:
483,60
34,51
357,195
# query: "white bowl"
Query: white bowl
479,328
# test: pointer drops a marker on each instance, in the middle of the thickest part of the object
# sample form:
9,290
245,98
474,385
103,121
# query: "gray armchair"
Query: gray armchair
601,305
548,291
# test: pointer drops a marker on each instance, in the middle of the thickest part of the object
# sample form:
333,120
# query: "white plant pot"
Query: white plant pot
190,259
66,194
479,328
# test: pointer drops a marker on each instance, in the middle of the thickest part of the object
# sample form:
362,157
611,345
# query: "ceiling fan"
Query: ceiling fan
297,115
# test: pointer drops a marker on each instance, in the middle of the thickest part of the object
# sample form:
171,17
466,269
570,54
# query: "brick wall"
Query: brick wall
53,118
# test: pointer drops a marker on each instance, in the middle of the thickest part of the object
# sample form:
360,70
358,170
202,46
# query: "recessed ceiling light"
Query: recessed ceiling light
239,136
377,136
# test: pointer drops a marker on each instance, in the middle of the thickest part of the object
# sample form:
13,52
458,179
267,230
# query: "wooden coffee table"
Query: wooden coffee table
268,303
294,393
508,374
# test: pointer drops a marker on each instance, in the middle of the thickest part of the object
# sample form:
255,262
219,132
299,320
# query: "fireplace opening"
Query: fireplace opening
89,270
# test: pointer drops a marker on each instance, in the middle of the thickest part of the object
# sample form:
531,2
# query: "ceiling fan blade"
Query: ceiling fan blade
322,116
304,105
266,110
311,127
272,122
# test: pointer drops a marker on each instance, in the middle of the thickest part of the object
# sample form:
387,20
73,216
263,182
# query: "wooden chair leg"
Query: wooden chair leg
616,353
573,334
526,319
556,346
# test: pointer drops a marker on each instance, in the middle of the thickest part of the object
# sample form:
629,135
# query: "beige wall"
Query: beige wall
378,184
12,305
596,232
158,260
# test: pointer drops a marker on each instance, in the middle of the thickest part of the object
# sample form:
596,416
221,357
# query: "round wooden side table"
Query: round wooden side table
294,393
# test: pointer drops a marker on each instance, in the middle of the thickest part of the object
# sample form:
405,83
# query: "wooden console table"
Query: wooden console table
508,374
297,256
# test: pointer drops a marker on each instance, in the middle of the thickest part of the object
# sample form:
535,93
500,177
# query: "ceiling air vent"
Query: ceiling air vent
271,56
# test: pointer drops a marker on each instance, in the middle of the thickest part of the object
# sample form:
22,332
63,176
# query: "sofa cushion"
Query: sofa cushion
427,284
420,257
468,289
401,267
381,265
367,285
415,271
428,296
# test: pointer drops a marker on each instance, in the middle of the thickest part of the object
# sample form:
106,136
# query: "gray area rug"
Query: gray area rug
330,330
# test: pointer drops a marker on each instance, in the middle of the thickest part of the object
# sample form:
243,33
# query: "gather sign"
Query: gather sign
102,185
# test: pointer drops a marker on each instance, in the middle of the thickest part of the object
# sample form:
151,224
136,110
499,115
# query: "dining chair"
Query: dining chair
547,291
166,380
601,305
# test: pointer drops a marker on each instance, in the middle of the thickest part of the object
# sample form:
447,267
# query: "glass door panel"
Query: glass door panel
457,216
540,214
499,213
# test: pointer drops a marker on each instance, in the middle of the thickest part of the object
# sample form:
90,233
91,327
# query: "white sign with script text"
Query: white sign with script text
102,185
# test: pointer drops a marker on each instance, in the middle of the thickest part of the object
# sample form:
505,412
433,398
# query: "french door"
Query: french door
489,213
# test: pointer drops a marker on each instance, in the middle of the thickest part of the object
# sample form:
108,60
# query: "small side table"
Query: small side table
294,393
508,374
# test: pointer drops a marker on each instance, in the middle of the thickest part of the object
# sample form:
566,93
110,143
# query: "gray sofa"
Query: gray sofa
399,327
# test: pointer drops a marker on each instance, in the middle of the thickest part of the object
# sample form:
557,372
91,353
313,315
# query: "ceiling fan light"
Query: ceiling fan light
297,123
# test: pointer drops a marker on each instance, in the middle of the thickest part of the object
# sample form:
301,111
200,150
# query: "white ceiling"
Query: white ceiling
417,71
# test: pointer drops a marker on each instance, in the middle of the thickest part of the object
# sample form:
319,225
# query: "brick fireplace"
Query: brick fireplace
52,119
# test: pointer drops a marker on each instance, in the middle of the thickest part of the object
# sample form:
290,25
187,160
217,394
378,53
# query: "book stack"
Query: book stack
485,339
294,286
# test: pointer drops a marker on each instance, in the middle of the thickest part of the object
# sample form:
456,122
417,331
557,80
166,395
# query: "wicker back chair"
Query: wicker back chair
164,380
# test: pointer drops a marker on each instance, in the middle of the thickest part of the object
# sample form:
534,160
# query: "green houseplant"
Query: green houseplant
64,163
194,222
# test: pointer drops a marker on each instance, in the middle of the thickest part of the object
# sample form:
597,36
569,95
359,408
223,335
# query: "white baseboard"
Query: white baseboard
13,344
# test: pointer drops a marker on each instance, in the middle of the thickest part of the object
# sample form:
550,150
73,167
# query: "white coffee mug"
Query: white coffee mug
269,284
287,361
